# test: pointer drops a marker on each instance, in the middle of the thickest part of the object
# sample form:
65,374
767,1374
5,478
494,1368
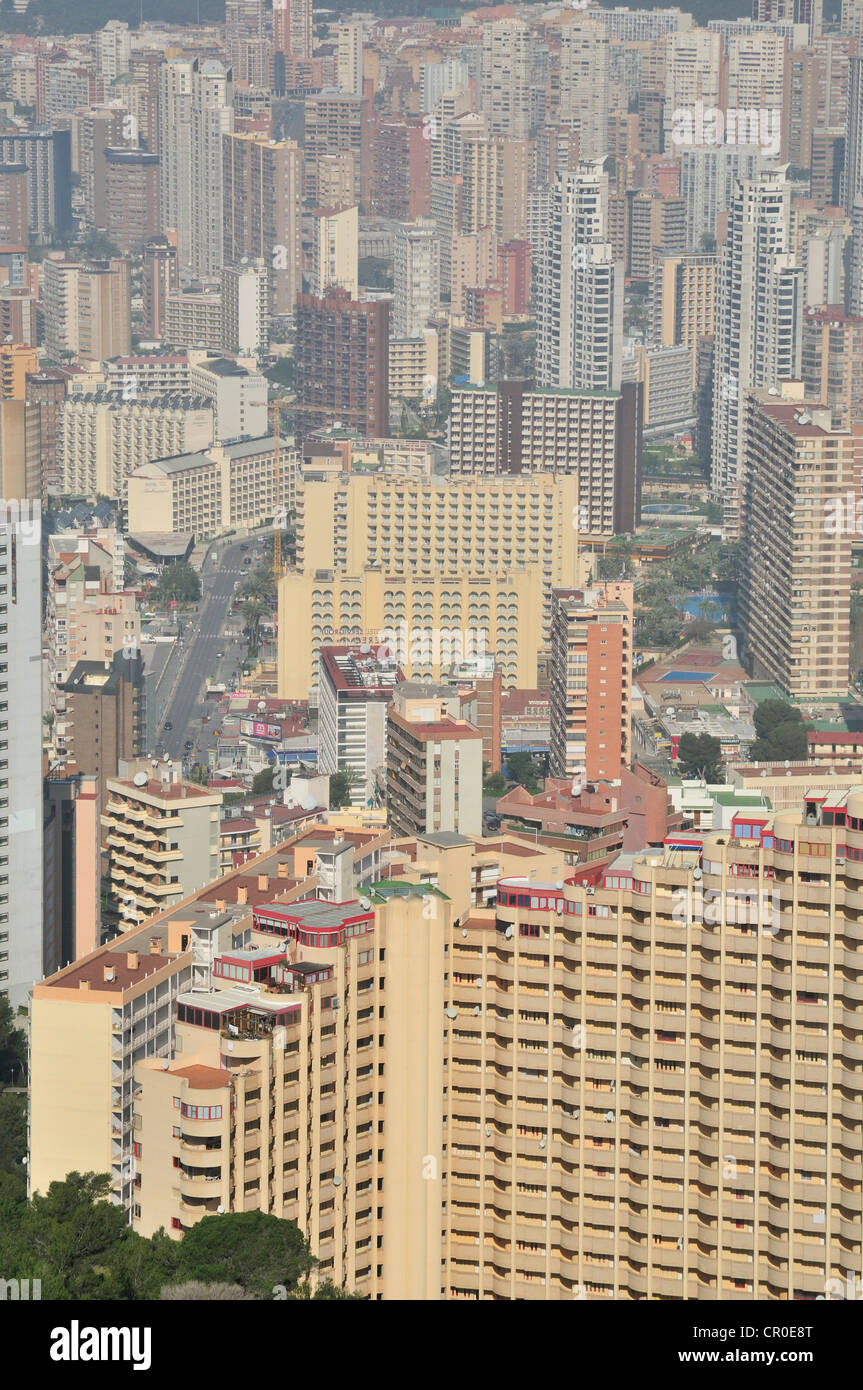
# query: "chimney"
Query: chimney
263,882
242,893
108,974
132,960
221,905
155,946
283,868
83,984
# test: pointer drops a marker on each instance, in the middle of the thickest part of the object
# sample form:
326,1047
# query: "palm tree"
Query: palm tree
253,610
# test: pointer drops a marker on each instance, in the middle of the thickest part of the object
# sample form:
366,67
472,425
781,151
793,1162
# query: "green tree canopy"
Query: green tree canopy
781,733
700,755
249,1248
13,1048
179,581
341,785
526,771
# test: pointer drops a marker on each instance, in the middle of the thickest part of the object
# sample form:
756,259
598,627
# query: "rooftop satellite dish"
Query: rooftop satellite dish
559,883
365,903
140,779
262,704
165,758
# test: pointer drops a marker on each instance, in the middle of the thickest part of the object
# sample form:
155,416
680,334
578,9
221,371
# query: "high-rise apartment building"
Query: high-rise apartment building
400,159
434,764
462,1112
831,359
591,682
261,202
758,312
507,82
356,686
14,205
160,276
246,308
132,199
160,837
656,225
104,717
427,621
21,908
336,123
105,435
593,435
420,526
292,28
416,277
682,301
97,130
195,113
349,58
341,359
580,320
87,307
802,478
584,84
335,243
47,154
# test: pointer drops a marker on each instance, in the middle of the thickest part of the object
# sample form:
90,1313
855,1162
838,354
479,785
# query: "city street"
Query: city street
203,639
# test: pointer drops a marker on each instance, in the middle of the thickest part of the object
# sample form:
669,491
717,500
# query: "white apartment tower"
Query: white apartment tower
21,936
195,112
416,277
757,323
581,288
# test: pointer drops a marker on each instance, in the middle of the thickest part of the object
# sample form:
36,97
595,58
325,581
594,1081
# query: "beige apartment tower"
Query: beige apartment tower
801,508
641,1083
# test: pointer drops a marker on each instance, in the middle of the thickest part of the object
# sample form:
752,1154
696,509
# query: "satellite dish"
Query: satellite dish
262,705
559,883
451,1012
165,758
140,779
464,931
337,1182
220,1210
365,903
508,933
696,874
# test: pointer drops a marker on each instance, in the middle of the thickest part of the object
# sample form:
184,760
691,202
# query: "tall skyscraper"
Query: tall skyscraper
757,324
349,58
581,287
21,908
262,204
416,277
584,84
334,250
195,113
802,475
342,363
292,28
591,682
507,77
160,276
